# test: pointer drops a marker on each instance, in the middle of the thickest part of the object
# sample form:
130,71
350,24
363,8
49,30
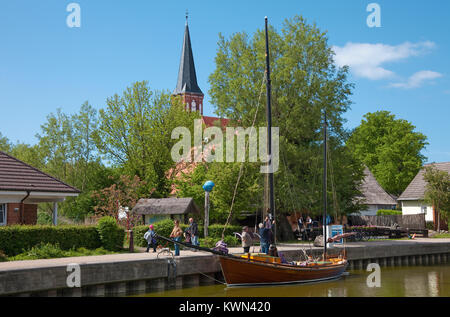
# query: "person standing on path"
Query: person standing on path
269,224
150,237
176,234
246,240
193,231
264,238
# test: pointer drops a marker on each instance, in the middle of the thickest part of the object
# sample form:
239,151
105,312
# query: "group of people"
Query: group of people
190,234
266,236
302,225
309,222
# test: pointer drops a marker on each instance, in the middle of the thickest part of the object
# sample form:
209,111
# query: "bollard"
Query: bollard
131,241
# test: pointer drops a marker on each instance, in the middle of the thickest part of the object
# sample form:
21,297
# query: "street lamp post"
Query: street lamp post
124,213
208,187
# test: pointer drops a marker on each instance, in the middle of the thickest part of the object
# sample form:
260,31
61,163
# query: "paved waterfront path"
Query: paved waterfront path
123,257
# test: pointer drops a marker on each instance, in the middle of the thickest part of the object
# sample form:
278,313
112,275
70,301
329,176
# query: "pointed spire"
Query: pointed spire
187,79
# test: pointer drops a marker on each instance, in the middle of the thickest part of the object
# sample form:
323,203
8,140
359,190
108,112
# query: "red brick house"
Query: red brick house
23,187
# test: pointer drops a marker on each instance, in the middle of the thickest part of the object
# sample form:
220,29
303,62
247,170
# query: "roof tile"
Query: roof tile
16,175
416,189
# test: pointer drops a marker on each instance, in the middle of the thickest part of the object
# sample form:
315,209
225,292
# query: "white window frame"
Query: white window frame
4,210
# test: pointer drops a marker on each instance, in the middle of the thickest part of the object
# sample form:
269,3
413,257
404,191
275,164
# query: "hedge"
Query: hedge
164,228
17,239
387,212
111,235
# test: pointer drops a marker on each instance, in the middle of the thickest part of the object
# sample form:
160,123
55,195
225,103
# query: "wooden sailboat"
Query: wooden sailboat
261,269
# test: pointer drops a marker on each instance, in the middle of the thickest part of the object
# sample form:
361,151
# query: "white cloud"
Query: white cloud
366,60
417,79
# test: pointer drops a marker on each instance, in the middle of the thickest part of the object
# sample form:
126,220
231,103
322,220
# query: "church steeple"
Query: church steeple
187,85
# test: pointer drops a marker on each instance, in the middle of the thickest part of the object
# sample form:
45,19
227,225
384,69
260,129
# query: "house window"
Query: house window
2,214
424,209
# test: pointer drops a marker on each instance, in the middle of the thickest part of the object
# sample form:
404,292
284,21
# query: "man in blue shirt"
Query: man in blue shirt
264,238
151,240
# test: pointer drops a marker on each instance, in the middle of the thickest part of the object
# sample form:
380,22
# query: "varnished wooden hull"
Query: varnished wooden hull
242,272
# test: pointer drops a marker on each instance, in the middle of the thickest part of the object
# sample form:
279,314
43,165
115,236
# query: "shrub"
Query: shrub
208,242
388,212
41,251
50,251
3,257
111,235
232,241
20,238
44,218
216,231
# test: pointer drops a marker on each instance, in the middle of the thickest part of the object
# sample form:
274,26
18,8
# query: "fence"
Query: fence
404,221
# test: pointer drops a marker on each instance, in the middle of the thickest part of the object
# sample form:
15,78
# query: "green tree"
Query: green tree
5,145
30,154
135,133
438,191
390,148
85,130
67,150
188,183
56,141
305,82
248,193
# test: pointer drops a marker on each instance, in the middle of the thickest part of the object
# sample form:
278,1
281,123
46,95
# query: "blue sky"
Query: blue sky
402,66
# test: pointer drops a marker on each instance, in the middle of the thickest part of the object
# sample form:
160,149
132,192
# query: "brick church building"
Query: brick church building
187,87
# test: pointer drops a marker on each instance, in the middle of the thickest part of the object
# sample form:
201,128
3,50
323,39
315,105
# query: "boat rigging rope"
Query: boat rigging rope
288,171
241,169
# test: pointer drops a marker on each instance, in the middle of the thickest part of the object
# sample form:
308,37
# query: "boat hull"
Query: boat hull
244,272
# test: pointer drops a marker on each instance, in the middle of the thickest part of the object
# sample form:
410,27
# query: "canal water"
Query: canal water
423,281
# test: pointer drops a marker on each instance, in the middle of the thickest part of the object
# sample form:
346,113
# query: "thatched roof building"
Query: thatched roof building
166,206
374,196
417,188
413,198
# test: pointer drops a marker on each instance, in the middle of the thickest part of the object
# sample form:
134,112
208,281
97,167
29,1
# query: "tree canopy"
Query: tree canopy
438,190
135,133
305,83
390,148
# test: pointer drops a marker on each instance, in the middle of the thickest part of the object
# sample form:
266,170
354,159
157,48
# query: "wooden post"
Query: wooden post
131,245
206,214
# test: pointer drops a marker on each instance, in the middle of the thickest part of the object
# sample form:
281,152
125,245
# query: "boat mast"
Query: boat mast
325,186
269,129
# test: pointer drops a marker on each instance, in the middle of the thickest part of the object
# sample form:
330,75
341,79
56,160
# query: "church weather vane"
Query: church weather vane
187,16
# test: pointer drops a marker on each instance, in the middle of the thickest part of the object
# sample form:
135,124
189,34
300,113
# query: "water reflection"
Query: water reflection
425,281
433,283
